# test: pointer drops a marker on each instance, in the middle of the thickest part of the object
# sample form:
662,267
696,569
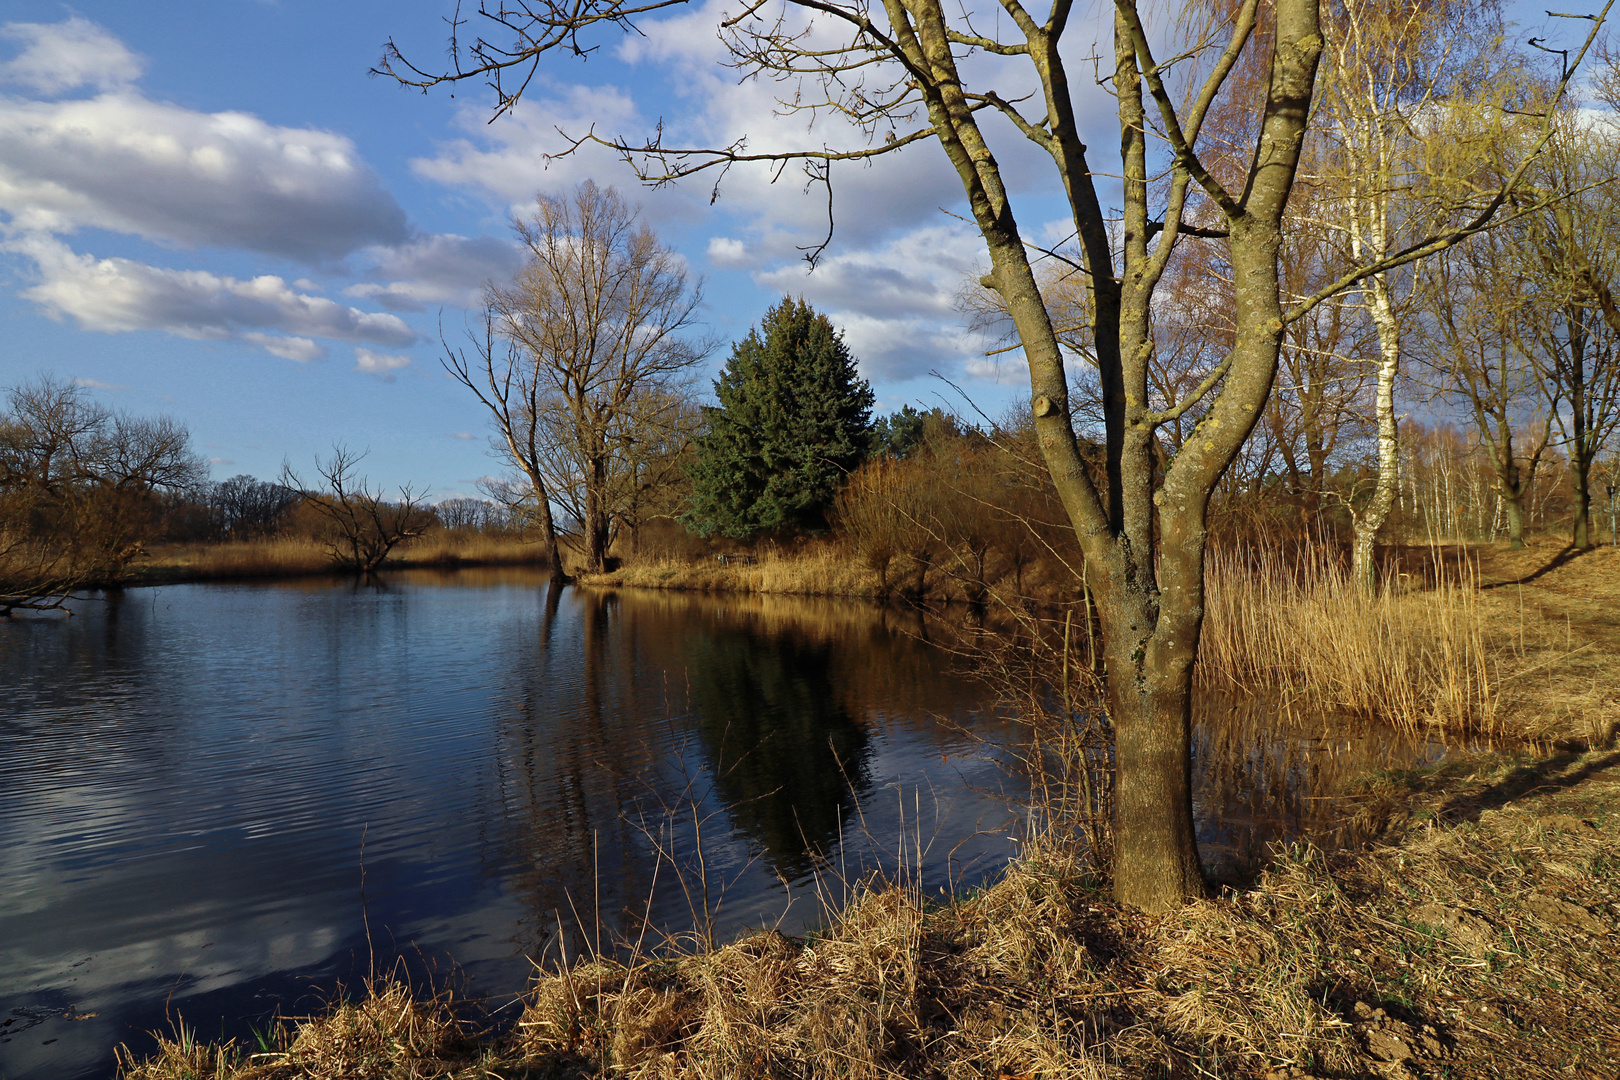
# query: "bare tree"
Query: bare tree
365,526
79,490
597,329
1574,252
1477,306
901,70
512,389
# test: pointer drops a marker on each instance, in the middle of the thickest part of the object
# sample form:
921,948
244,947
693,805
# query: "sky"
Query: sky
211,210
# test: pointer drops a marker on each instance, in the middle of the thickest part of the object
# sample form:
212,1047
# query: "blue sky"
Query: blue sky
210,210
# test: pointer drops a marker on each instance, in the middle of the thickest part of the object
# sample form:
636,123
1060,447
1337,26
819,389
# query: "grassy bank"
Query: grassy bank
1466,941
302,556
1477,640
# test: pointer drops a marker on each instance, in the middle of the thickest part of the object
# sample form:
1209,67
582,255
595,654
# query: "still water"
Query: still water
220,801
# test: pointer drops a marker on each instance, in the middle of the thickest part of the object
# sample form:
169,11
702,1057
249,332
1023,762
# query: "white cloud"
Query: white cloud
301,349
382,365
97,384
122,162
463,435
1008,369
441,269
114,295
57,57
895,302
727,251
511,160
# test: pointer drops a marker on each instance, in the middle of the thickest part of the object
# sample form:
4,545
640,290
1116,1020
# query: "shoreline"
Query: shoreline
1426,947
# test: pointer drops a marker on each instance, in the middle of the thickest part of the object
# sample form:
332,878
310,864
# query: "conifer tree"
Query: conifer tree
792,421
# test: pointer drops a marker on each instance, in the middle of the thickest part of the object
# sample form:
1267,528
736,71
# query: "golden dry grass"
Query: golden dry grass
1416,657
1467,941
387,1032
300,556
812,570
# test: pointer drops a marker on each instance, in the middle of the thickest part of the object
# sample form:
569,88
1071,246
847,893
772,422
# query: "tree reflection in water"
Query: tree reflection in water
783,750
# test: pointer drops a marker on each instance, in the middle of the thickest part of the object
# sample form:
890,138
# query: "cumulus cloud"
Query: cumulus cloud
896,302
301,349
120,161
382,365
727,251
57,57
512,160
441,269
114,295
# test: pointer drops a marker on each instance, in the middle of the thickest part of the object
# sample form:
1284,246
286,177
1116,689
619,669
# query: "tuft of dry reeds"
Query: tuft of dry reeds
1415,657
389,1031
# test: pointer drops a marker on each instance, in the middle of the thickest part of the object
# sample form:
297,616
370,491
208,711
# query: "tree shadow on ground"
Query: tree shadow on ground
1560,772
1566,555
1461,791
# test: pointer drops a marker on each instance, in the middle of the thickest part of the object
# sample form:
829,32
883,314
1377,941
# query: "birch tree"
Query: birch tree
909,68
1390,74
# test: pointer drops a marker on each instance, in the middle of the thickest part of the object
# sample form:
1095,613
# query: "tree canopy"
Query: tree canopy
792,421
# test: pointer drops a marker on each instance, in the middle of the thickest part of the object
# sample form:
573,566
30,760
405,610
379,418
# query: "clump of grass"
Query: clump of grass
388,1033
1416,658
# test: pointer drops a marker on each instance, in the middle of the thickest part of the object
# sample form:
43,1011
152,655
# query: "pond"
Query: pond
218,802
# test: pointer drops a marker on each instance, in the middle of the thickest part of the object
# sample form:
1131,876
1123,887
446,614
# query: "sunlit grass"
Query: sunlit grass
1414,656
297,555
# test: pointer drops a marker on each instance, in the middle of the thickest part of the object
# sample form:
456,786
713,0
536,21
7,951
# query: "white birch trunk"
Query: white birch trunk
1371,517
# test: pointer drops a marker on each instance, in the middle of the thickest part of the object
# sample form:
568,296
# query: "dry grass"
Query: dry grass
300,556
1465,943
389,1032
812,570
1415,657
1560,616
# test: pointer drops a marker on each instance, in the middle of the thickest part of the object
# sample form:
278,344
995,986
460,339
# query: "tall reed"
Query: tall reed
1413,656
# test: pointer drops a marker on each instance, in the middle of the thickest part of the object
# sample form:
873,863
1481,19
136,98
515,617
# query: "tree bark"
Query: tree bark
1369,520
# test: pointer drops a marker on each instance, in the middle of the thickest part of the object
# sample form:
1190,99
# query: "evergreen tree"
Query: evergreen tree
792,422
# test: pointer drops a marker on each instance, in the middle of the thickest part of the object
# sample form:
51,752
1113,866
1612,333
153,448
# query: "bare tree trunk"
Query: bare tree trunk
596,519
1514,508
1580,476
1370,518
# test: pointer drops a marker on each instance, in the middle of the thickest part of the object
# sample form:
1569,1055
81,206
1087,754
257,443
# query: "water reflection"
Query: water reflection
195,780
192,779
1262,775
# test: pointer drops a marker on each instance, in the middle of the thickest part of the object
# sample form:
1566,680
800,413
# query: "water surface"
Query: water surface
220,801
209,793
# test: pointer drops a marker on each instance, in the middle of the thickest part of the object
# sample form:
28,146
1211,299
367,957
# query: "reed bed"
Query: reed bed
1417,657
822,570
296,556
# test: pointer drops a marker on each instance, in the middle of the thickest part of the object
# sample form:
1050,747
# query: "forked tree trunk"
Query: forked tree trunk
1156,854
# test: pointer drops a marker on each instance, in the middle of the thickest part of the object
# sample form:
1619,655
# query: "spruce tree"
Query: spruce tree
792,421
